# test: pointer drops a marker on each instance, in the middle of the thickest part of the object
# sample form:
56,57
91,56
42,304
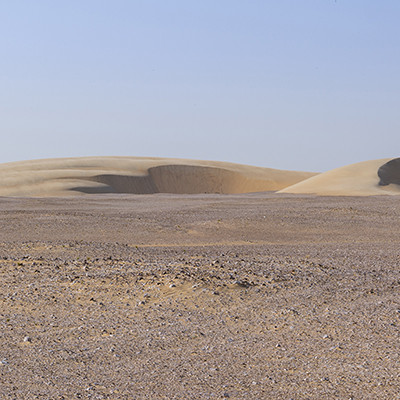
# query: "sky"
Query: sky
302,85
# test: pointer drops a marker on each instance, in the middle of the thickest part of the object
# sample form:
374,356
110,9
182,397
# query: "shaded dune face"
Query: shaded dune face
194,179
390,172
179,179
109,183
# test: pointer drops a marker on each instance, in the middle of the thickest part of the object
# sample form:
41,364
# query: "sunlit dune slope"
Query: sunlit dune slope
359,179
78,176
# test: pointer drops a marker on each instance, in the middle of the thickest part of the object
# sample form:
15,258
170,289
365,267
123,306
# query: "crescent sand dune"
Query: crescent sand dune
368,178
138,175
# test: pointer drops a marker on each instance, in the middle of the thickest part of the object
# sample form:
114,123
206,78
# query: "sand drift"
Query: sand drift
139,175
367,178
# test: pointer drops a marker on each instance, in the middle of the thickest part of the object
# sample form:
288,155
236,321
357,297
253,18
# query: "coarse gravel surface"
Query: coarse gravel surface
256,296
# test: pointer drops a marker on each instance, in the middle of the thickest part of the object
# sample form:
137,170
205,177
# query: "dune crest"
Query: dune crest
138,175
368,178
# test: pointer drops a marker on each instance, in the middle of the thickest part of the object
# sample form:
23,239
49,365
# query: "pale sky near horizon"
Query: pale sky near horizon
303,85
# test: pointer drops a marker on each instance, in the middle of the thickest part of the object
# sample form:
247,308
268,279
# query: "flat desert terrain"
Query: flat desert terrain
207,296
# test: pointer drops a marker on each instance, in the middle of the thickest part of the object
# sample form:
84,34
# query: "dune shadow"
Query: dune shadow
127,184
193,179
177,179
389,172
184,179
93,189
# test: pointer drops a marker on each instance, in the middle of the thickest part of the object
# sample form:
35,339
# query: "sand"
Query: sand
250,296
359,179
112,290
138,175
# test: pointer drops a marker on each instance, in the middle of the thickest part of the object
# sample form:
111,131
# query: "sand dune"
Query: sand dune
78,176
368,178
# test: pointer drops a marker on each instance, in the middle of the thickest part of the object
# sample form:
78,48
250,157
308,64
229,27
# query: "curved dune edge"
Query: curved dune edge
139,175
360,179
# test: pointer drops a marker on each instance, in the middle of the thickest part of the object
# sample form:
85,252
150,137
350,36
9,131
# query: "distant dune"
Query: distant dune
366,178
78,176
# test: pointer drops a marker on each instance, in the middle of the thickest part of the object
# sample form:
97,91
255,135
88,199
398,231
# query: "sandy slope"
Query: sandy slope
74,176
359,179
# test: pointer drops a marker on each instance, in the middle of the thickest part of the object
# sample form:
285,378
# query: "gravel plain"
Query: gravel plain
256,296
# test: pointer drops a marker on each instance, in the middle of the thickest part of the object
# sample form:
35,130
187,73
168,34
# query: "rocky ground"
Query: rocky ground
257,296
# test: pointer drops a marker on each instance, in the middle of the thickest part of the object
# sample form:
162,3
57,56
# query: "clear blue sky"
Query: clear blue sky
304,85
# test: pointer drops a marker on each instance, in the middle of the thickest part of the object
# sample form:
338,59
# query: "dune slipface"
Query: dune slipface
79,176
368,178
390,172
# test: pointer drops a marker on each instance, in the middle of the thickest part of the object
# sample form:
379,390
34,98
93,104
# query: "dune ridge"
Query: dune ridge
367,178
139,175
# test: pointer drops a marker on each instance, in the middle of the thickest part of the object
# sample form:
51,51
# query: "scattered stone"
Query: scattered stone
243,283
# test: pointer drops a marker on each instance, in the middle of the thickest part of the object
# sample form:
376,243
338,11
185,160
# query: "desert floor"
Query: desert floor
257,296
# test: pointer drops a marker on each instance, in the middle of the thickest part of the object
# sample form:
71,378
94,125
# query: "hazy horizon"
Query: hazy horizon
309,85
